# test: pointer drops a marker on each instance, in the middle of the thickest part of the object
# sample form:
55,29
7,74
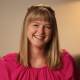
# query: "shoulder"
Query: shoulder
69,69
9,57
67,57
68,61
7,65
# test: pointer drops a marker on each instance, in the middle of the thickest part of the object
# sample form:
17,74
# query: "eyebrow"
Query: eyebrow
45,24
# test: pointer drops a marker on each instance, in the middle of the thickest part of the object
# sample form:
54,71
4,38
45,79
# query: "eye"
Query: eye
48,27
35,25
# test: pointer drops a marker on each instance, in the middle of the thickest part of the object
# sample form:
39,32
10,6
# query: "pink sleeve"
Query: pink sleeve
69,69
3,72
6,66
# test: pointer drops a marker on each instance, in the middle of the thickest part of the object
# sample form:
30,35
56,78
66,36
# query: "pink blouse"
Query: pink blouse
10,69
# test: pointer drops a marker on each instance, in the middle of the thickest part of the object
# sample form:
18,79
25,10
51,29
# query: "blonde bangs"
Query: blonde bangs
39,14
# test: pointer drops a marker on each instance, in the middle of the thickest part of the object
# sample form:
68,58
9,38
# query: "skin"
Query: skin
39,33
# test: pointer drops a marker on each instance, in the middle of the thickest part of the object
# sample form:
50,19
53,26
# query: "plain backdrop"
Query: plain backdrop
12,14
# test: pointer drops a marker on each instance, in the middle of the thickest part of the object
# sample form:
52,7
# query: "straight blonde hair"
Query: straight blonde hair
46,13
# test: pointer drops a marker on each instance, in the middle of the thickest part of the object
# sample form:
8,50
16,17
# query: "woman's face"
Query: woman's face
39,33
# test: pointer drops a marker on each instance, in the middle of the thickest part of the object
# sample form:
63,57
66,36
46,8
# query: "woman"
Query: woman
39,57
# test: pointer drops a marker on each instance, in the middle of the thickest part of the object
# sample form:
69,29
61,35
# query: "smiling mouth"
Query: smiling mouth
39,37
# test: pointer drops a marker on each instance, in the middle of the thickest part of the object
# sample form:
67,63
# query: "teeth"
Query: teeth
39,37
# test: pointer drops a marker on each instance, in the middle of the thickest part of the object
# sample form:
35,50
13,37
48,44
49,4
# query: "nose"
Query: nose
41,29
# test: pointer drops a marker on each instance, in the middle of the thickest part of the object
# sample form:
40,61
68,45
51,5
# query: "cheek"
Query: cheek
30,32
49,34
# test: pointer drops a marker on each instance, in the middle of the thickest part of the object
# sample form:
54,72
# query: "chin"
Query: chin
39,45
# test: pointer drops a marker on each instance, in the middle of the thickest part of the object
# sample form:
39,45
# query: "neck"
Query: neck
36,56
